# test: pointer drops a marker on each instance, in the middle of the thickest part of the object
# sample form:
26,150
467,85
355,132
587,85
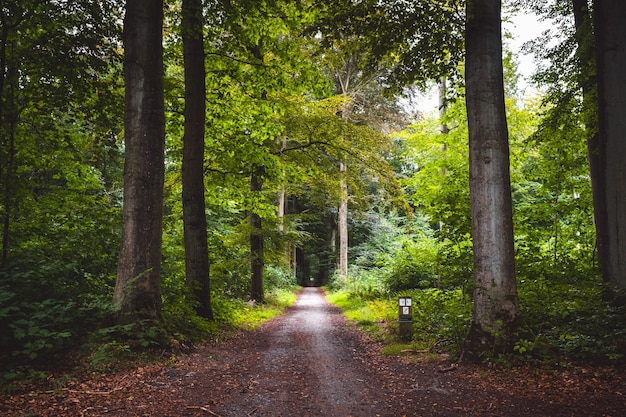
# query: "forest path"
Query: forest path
311,362
304,363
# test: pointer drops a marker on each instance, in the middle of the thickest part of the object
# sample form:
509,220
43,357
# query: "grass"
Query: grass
376,316
249,315
439,319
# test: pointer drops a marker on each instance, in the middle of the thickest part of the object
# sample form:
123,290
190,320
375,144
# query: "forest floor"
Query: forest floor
311,362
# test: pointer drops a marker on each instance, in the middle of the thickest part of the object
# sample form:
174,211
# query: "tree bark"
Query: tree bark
194,211
344,83
8,118
443,106
342,220
495,292
589,86
609,18
257,257
138,286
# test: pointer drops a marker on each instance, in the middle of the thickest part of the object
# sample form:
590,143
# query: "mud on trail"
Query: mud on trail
311,362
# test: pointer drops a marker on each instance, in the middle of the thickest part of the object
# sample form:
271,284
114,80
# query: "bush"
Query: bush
33,329
278,278
571,319
413,265
441,318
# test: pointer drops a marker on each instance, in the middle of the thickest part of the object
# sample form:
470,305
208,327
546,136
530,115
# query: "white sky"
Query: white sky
524,27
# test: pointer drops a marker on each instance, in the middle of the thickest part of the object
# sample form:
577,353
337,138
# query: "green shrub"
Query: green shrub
278,278
571,319
32,330
413,265
441,318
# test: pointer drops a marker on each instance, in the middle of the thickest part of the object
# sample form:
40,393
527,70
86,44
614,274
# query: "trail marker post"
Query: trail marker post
405,318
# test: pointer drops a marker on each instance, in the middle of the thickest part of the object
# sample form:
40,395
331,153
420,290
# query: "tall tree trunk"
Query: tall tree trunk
138,286
257,256
9,176
10,123
342,220
194,212
344,78
589,85
495,292
610,193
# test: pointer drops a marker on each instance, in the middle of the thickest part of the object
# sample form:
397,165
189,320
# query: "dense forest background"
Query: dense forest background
307,120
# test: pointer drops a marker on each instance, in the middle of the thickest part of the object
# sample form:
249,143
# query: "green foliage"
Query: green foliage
138,335
277,278
438,188
417,42
33,329
441,318
564,313
414,265
570,316
270,104
107,355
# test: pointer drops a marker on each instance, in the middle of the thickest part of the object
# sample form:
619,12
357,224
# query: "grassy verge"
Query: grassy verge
439,321
249,316
375,316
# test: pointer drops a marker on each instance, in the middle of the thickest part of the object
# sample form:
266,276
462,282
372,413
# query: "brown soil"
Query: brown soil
311,362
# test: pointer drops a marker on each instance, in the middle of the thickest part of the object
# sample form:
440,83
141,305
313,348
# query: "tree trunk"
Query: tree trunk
443,106
343,224
8,118
344,78
194,213
281,209
138,286
610,192
257,256
589,86
495,292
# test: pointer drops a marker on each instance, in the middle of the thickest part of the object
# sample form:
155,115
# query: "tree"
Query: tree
258,58
137,288
610,204
257,249
495,312
589,85
195,223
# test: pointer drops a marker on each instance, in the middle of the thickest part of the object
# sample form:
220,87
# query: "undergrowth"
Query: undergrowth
560,322
114,347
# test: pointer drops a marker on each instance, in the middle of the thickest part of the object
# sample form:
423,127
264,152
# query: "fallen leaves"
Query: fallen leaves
217,377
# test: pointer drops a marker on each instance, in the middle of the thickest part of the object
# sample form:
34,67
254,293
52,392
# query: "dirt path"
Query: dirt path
303,365
310,362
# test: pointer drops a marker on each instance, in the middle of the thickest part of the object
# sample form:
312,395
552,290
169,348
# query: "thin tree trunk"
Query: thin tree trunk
443,106
194,212
343,224
8,193
495,293
257,261
281,209
138,287
10,145
343,83
610,192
